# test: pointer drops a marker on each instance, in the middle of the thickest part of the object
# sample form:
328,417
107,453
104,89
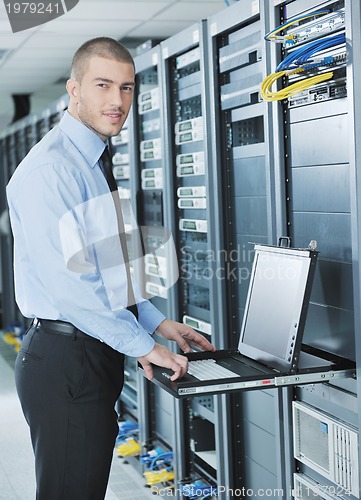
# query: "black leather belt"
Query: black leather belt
62,328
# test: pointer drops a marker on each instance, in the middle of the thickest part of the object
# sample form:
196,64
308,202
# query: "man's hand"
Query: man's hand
184,335
161,356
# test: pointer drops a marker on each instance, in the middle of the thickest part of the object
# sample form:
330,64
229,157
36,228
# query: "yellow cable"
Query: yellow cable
271,36
268,95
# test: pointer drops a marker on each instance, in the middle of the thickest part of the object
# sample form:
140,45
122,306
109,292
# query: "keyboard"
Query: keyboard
208,369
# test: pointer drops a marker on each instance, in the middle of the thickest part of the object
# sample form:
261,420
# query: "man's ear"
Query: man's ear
72,87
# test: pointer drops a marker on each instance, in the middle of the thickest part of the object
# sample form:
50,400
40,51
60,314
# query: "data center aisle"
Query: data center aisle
17,481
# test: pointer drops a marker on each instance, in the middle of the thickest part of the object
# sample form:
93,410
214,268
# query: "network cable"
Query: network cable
271,36
161,460
268,95
302,56
148,457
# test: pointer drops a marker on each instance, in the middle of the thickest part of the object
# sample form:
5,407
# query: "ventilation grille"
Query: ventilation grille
342,457
315,450
327,446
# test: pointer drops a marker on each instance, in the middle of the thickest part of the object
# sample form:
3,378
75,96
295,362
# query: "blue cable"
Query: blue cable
301,56
147,458
165,457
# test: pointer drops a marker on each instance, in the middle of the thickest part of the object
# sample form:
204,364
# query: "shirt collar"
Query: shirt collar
85,140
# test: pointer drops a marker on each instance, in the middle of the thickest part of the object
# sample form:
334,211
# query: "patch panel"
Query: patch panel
325,25
322,92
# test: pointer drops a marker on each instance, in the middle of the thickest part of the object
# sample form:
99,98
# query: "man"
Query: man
69,371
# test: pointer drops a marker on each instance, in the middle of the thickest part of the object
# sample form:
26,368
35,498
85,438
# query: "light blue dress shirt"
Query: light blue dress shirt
63,221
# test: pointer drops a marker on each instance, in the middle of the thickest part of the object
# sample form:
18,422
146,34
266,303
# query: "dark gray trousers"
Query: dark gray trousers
68,386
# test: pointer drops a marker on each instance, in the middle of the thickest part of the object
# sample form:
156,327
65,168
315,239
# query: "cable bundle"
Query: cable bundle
301,57
299,61
159,473
295,88
272,35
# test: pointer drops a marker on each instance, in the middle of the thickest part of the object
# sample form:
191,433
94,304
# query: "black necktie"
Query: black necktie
107,169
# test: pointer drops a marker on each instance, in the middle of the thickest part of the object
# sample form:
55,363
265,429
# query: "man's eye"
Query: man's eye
127,88
102,85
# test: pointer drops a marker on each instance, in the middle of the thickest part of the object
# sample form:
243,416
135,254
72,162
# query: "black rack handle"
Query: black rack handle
285,239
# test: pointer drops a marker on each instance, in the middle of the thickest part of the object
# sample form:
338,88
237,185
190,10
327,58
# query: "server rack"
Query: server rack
152,245
119,148
317,165
245,183
8,303
16,141
272,185
261,182
189,201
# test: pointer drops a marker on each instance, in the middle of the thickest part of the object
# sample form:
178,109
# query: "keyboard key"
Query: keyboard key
208,369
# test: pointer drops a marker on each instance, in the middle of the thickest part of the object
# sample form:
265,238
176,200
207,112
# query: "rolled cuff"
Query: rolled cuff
149,316
141,345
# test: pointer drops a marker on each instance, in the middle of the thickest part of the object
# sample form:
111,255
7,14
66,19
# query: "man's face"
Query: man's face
103,98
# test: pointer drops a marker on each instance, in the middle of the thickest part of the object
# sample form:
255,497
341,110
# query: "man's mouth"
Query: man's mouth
114,116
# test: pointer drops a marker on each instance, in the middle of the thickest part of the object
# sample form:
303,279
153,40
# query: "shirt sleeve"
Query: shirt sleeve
37,205
149,316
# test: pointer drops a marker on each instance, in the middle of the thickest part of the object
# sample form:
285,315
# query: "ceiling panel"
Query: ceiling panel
156,29
91,27
40,44
111,10
14,40
195,12
42,55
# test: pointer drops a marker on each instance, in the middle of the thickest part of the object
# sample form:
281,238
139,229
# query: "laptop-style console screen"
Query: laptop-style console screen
276,306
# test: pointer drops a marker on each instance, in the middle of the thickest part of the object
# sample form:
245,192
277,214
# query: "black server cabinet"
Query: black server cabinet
17,140
119,147
316,132
189,200
138,158
244,186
